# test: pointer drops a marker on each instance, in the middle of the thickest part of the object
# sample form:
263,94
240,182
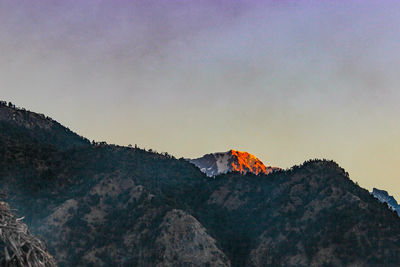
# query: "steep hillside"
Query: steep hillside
104,205
311,215
27,127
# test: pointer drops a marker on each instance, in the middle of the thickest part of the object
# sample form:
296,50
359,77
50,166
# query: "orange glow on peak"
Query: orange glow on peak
245,162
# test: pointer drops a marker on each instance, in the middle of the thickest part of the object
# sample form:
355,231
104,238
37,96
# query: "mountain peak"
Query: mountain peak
384,197
231,161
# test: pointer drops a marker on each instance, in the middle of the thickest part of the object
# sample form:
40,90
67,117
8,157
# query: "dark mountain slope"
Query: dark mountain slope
308,216
28,127
104,205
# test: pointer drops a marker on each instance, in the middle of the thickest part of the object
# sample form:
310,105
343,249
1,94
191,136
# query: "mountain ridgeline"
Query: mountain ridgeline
106,205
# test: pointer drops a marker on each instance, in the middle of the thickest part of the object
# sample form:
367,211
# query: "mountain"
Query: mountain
231,161
103,205
384,197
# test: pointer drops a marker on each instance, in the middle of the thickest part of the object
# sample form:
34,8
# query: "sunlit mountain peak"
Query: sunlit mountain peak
231,161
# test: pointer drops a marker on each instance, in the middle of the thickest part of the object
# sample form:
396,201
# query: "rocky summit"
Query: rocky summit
231,161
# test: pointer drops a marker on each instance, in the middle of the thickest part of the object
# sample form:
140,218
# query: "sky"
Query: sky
284,80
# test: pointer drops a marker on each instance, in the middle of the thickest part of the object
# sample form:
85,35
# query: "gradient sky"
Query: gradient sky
284,80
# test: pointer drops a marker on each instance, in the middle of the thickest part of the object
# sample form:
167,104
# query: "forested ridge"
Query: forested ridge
99,204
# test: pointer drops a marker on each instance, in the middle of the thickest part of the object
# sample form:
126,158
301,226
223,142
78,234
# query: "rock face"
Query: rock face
231,161
107,205
183,241
109,199
384,197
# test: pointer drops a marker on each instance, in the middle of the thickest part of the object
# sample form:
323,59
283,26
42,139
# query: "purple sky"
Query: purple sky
284,80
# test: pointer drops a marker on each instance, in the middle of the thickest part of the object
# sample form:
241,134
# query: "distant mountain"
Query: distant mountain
106,205
231,161
384,197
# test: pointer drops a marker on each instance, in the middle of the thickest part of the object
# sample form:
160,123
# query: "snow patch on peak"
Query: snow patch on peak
222,160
